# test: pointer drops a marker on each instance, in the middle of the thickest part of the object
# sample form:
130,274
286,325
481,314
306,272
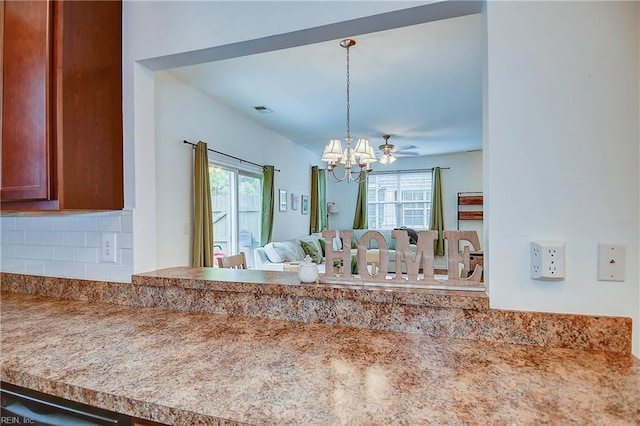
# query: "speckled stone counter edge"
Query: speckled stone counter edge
107,401
435,313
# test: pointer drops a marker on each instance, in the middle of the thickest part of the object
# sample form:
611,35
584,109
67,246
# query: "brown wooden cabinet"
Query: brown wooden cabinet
61,106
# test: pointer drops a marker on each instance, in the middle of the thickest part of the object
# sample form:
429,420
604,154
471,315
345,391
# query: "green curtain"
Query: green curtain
437,211
322,200
268,194
203,217
360,218
314,202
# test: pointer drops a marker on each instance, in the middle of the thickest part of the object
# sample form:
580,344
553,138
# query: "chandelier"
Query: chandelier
353,160
387,150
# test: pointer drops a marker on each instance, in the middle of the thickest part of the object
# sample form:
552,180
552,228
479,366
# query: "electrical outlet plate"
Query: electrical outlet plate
547,260
108,248
611,262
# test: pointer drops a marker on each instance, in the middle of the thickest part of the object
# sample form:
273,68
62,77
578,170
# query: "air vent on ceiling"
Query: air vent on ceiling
263,109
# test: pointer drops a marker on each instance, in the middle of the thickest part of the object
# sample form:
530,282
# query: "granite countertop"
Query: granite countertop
181,367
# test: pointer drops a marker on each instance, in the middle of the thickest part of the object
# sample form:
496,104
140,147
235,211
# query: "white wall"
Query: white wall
464,175
152,29
545,113
184,112
67,245
563,151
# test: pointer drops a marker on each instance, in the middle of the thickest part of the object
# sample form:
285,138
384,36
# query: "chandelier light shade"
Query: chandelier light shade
353,160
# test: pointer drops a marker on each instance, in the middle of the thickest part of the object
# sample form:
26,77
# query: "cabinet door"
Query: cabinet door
25,99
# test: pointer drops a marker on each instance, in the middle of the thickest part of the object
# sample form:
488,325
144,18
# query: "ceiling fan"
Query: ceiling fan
389,151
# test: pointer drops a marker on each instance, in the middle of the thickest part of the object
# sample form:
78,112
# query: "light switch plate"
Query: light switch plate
611,262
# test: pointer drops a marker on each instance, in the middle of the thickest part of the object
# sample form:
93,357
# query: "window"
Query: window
236,201
399,199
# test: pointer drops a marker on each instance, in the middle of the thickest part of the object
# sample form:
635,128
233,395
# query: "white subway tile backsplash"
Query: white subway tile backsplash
120,273
24,222
86,223
34,238
94,239
63,254
126,222
97,271
86,255
124,240
67,246
64,223
74,239
7,223
14,237
54,269
9,250
13,265
53,238
34,267
109,224
42,223
75,270
43,253
24,252
126,256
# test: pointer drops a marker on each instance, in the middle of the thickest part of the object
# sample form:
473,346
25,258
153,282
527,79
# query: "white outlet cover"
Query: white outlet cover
611,262
547,260
108,248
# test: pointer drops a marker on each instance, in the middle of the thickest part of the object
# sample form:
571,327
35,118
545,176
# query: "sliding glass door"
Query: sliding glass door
236,201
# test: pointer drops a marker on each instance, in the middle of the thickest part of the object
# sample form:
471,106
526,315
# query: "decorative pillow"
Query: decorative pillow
299,253
313,240
272,254
286,251
321,241
310,249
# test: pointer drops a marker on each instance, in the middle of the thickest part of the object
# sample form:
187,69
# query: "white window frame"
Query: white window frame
396,207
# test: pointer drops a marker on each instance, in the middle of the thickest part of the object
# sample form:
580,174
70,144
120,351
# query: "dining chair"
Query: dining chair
236,261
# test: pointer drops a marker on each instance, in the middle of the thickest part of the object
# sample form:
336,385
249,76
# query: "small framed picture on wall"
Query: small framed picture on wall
283,200
305,204
294,201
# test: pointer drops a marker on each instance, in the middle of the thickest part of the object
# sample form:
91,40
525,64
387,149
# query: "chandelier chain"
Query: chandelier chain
348,99
360,157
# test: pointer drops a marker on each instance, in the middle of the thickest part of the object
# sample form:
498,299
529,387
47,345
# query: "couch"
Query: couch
280,256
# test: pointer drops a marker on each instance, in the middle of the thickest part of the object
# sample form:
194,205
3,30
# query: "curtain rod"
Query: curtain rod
230,156
389,172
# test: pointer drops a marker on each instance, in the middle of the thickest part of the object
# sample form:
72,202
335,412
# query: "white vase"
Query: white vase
308,272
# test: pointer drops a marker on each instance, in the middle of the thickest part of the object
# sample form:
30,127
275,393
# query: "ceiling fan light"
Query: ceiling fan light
384,159
392,159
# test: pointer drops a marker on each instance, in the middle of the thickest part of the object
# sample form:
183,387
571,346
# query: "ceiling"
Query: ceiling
422,84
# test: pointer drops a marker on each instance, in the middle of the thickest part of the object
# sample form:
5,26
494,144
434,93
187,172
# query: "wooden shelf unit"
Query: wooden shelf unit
474,199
